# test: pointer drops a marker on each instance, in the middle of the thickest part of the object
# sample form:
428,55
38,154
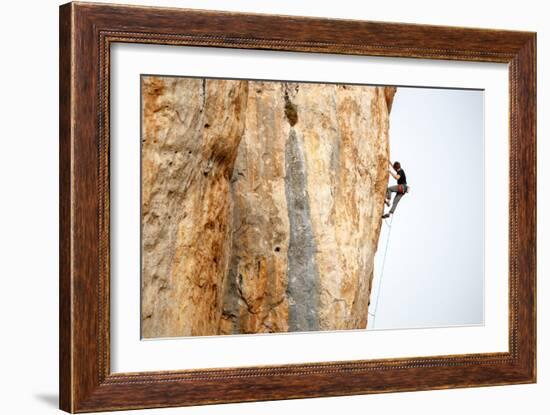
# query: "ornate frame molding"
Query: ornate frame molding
86,33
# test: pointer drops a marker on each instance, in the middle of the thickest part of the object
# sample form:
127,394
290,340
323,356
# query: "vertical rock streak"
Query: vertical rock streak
303,285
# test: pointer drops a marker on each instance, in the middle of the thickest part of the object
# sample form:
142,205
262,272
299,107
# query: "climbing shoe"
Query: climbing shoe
387,202
386,216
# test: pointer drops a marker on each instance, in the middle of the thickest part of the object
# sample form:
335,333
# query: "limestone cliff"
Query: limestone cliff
261,204
191,133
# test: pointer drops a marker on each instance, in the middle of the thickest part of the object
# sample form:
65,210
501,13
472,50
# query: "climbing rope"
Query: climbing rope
381,272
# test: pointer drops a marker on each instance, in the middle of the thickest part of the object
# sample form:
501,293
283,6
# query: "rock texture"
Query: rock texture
191,133
261,204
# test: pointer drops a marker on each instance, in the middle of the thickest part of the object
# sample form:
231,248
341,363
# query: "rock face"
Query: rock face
191,134
261,204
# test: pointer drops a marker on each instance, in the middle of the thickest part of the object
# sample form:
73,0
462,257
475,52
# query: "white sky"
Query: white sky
433,273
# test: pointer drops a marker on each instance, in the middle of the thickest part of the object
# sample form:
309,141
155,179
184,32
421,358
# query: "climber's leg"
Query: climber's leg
397,197
396,200
389,191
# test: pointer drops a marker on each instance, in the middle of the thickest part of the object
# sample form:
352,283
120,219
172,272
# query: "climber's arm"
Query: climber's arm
392,172
394,175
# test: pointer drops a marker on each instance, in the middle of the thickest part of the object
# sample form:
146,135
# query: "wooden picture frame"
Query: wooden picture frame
86,33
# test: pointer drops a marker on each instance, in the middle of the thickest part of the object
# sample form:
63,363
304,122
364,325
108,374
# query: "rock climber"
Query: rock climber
400,189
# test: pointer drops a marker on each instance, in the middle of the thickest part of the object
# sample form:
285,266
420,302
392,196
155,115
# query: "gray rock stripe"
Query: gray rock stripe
303,279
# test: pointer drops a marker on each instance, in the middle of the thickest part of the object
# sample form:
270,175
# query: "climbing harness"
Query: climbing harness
381,272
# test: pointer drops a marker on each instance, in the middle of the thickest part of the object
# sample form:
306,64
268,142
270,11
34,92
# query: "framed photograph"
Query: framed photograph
258,207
